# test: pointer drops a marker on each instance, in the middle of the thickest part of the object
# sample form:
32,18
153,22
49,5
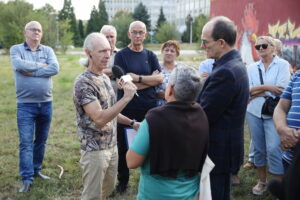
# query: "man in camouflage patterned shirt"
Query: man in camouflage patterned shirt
97,115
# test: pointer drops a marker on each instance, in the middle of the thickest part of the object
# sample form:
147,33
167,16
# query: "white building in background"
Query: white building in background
192,7
174,10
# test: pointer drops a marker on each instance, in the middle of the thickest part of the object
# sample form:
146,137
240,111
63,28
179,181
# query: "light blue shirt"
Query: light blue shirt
36,87
206,66
278,73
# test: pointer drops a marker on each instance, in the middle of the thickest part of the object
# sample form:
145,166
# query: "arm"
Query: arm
122,119
21,65
102,117
52,67
139,149
215,97
288,136
259,89
156,78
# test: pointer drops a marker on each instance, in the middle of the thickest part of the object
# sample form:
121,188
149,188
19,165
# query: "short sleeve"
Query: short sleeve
140,144
84,93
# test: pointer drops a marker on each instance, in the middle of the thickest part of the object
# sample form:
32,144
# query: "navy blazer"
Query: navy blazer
224,98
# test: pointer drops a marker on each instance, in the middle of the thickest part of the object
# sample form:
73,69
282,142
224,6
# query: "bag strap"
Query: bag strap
260,76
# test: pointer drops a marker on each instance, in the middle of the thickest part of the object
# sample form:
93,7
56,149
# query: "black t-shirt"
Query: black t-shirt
141,63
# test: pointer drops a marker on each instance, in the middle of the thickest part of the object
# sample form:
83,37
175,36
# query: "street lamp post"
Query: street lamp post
190,21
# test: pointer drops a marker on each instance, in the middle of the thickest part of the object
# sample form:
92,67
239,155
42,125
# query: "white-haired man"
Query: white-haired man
97,116
110,33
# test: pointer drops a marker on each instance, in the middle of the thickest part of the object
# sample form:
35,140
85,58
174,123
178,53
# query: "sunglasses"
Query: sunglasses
263,46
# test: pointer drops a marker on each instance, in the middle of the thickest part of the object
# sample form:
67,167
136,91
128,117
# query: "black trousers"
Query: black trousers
123,171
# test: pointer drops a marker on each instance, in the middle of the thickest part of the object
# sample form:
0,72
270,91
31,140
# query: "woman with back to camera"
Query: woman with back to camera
267,77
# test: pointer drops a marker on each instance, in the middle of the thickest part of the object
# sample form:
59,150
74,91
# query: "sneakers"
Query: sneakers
259,188
248,165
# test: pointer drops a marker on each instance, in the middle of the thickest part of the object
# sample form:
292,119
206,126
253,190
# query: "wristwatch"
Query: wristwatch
140,79
132,122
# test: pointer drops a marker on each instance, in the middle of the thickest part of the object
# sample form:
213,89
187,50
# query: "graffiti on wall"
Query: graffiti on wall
289,34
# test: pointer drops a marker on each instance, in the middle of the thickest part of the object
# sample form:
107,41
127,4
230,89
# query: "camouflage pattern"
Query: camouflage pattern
89,87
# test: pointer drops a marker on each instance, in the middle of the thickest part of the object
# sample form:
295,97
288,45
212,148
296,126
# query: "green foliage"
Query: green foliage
197,26
161,19
50,26
167,32
141,13
67,13
65,36
98,18
81,31
13,17
121,20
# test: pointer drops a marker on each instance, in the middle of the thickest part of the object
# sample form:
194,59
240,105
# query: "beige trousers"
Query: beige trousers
99,173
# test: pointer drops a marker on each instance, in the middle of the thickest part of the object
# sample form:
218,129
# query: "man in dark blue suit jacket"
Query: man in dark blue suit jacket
224,99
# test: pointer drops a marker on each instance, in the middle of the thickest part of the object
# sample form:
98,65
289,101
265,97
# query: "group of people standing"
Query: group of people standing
179,119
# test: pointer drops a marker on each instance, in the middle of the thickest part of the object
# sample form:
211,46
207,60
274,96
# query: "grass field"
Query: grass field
63,145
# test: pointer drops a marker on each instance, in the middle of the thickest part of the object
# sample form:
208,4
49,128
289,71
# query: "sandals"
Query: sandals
259,188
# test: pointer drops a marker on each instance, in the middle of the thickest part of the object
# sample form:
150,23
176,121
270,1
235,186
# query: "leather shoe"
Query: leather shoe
42,176
121,188
25,187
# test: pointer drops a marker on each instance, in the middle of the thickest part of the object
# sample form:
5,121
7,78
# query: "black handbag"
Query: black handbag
270,102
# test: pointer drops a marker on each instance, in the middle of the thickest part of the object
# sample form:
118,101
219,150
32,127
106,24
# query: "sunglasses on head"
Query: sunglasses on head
263,46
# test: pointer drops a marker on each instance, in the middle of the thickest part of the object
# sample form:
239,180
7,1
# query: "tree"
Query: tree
81,31
141,13
98,18
13,17
49,23
67,13
92,22
161,19
65,36
121,21
102,15
198,24
167,32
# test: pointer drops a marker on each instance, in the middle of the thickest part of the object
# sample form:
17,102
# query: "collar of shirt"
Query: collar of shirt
274,61
226,57
28,48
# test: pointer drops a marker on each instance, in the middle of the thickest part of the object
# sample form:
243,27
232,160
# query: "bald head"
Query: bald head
223,28
138,24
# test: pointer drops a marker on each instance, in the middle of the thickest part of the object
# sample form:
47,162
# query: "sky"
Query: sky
82,8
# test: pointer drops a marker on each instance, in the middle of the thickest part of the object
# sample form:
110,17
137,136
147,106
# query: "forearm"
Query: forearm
280,114
152,80
122,119
107,115
141,86
50,70
257,89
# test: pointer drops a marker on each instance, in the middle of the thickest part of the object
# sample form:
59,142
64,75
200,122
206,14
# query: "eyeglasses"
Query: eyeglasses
263,46
137,32
205,42
35,30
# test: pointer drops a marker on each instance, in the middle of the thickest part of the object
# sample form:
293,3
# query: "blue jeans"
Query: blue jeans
266,143
33,125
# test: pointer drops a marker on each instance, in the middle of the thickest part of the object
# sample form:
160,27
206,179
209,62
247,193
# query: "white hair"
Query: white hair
137,22
89,45
32,22
108,28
